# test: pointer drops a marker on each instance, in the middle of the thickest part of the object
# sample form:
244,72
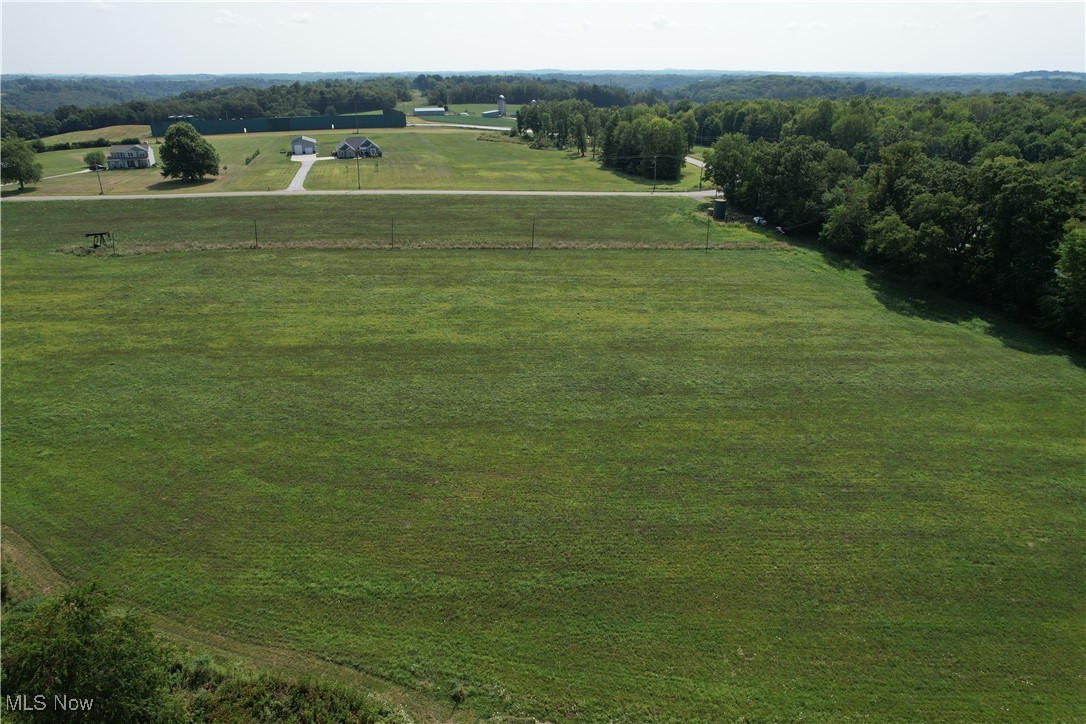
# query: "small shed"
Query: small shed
492,114
302,145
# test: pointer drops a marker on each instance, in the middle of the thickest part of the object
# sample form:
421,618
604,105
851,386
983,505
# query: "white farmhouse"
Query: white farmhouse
138,155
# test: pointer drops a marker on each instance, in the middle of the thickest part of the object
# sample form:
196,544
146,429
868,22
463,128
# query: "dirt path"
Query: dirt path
38,575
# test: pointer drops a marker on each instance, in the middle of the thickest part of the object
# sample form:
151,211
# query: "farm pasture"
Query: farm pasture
598,484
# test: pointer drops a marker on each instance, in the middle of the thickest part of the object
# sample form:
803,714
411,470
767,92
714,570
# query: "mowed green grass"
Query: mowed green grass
413,159
477,160
110,133
475,115
419,221
268,171
60,162
594,485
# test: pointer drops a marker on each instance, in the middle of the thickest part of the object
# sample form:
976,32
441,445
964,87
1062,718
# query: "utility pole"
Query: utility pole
357,170
101,191
654,174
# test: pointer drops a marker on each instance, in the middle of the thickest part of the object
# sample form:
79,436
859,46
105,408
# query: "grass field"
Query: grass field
268,171
636,484
174,224
414,159
474,117
439,159
110,133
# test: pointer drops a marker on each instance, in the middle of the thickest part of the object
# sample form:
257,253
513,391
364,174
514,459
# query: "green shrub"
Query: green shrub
70,646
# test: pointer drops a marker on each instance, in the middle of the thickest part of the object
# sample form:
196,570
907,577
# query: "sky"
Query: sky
187,36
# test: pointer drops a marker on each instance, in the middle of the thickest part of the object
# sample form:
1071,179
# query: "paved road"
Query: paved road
59,175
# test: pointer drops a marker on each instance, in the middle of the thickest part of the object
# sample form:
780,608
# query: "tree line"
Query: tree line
443,91
642,140
324,97
44,94
980,197
842,87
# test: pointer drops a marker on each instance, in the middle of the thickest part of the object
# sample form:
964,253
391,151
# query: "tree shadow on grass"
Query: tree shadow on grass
7,192
910,300
180,185
662,184
836,259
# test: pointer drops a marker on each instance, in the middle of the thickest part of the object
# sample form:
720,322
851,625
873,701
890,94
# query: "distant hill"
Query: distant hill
43,94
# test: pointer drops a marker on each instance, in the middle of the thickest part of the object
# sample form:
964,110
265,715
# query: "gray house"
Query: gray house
137,155
303,145
356,146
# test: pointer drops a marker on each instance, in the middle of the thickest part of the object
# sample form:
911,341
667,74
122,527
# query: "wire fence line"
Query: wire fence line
691,231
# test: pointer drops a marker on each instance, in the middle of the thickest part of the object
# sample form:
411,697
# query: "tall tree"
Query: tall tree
580,133
1069,299
728,164
94,158
1023,214
186,155
17,162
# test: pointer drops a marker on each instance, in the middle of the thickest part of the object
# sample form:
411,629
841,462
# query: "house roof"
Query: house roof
305,138
128,146
356,142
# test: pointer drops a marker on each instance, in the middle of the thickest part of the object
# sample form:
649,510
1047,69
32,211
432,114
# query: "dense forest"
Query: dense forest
980,197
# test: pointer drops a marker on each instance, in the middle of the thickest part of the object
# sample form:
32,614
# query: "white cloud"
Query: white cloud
658,23
303,18
225,17
564,29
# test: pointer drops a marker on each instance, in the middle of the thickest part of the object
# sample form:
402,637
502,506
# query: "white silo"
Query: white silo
501,105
